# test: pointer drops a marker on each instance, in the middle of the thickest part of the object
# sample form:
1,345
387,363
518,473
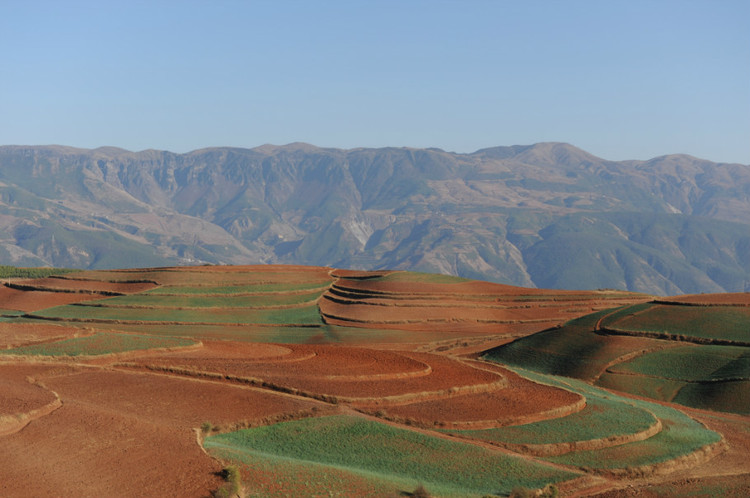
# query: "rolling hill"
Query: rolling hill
547,215
282,380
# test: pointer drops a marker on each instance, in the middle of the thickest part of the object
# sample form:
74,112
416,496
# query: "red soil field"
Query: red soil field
375,380
128,433
23,300
521,402
17,394
18,334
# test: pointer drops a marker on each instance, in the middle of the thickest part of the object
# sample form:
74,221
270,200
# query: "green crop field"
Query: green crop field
650,387
729,323
691,363
730,396
604,416
194,301
99,344
14,272
372,448
680,435
307,315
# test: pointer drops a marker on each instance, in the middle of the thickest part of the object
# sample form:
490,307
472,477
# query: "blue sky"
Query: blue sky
623,79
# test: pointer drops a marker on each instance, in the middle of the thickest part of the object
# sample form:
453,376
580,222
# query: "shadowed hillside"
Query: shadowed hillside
691,350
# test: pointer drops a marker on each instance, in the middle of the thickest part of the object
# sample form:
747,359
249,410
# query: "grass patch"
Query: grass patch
370,448
729,323
14,272
98,344
573,350
228,301
691,363
186,290
731,396
604,416
303,315
680,435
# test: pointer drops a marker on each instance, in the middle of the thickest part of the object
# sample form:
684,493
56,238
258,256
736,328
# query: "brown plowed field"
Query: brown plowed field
335,371
18,334
128,434
23,300
17,394
521,402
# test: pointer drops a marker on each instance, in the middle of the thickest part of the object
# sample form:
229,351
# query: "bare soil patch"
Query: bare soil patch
521,402
28,300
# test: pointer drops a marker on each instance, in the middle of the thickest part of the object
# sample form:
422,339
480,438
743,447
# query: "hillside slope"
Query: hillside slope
547,215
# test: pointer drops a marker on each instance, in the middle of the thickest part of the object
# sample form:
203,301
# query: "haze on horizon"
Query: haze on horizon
620,79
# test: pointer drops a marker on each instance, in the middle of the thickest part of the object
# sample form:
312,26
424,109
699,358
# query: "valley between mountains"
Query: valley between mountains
281,380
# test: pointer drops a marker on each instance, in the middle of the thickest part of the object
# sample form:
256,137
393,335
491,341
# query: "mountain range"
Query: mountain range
546,215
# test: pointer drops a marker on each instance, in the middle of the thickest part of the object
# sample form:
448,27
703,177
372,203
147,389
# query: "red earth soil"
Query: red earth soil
17,394
80,285
23,300
330,360
18,334
129,431
521,402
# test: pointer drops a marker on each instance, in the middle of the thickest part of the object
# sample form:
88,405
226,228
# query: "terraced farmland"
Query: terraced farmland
324,381
693,351
364,447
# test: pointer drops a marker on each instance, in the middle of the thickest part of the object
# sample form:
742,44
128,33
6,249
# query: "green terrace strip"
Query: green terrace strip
680,435
307,315
729,324
99,344
691,363
194,301
605,416
208,290
701,376
372,448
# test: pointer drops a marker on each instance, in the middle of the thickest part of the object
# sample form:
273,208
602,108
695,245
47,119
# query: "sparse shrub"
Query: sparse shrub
206,427
420,492
549,491
233,483
520,492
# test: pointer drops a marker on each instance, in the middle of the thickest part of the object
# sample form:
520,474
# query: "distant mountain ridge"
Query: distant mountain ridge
546,215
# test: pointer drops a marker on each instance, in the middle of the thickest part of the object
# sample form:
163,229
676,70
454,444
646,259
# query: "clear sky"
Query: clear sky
623,79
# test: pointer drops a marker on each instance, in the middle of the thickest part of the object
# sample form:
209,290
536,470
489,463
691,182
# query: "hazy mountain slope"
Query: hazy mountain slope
548,215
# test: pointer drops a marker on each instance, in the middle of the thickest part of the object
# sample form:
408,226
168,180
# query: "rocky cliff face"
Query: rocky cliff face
547,215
